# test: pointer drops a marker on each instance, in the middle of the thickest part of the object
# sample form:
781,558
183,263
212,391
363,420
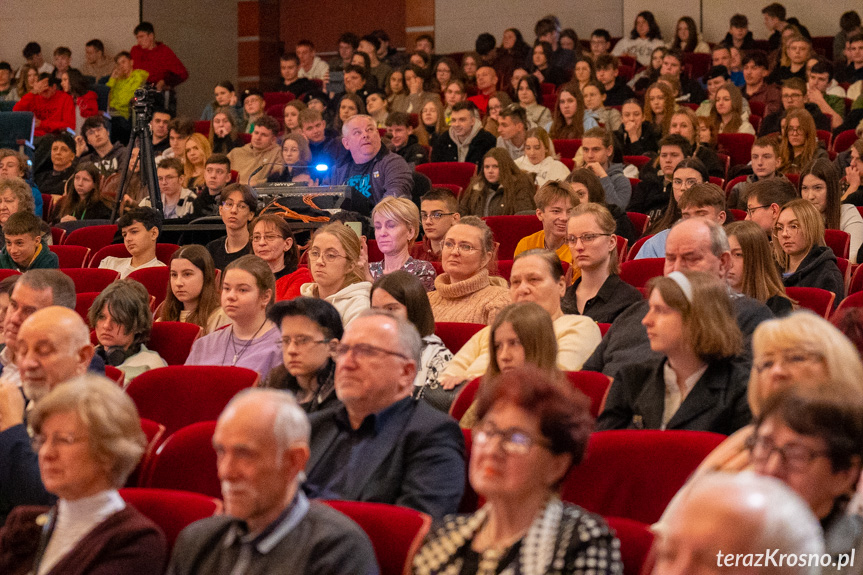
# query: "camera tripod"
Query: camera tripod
142,113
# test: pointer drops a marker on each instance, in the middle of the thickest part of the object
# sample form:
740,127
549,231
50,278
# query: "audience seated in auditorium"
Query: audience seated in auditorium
820,185
594,101
727,110
165,70
382,445
655,191
518,412
540,159
334,260
616,89
325,144
705,246
765,165
687,39
403,141
554,202
160,127
63,160
179,130
692,198
83,198
453,93
377,107
140,229
529,96
8,89
798,245
685,123
690,89
598,293
714,79
392,175
497,102
465,141
124,80
432,120
638,137
296,161
512,130
27,383
659,106
248,288
465,292
237,207
737,516
571,117
73,83
797,49
402,294
289,67
438,212
397,224
225,130
193,295
122,320
274,242
300,536
753,270
217,175
794,93
25,248
852,193
310,329
486,85
177,199
698,383
261,155
588,189
499,188
195,154
254,108
764,201
537,276
819,77
347,45
757,89
598,154
15,167
52,107
96,62
224,95
88,437
644,37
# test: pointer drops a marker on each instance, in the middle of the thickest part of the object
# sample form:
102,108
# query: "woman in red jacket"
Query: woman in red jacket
86,104
273,242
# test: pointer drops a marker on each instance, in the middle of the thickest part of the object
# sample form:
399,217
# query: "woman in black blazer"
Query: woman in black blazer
697,384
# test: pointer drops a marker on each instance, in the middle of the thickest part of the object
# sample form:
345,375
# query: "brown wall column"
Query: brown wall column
258,44
419,20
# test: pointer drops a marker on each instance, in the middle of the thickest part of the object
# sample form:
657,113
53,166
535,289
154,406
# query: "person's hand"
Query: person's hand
160,85
852,176
11,405
233,101
597,169
567,277
40,86
80,146
539,76
68,219
36,121
816,97
222,130
450,383
363,260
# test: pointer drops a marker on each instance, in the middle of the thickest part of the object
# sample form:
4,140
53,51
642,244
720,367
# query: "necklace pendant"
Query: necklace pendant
236,357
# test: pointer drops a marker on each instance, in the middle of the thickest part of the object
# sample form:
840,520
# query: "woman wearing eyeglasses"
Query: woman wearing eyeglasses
819,183
88,438
464,292
599,293
798,244
252,340
799,142
397,224
237,206
533,428
812,440
273,241
696,384
310,330
338,276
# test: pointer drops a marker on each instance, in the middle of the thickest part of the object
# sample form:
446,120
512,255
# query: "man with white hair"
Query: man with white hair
262,446
739,524
372,169
382,445
52,346
696,244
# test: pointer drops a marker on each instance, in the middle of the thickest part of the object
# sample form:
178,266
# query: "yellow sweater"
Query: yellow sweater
537,241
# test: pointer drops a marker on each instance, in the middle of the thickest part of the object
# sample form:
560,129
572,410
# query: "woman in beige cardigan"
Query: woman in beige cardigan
465,292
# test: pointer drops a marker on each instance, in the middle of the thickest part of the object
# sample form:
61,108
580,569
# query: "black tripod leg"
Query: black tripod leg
124,176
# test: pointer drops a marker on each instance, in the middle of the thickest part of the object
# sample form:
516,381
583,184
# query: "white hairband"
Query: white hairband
682,281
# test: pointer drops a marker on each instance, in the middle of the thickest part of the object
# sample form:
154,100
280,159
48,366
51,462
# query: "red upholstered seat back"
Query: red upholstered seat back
171,510
186,461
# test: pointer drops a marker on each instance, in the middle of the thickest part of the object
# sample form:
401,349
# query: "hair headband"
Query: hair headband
684,284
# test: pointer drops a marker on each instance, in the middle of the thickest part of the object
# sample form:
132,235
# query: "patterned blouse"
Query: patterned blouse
420,268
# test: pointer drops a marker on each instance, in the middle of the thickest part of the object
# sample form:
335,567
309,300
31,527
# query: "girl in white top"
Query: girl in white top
819,183
644,37
530,98
539,158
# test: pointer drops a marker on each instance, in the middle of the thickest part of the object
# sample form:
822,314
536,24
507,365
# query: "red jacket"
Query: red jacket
288,287
88,104
161,63
54,114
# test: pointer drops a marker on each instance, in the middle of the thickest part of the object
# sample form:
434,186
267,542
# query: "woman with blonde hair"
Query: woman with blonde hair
27,77
799,248
799,144
193,294
796,51
571,118
334,259
464,292
697,383
753,270
432,119
727,110
598,293
539,158
659,106
397,225
685,122
499,189
198,149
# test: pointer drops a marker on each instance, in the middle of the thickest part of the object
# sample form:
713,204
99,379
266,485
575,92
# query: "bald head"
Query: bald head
53,347
732,514
697,245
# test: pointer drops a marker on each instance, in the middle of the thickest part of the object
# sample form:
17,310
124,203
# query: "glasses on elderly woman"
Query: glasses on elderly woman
794,456
512,441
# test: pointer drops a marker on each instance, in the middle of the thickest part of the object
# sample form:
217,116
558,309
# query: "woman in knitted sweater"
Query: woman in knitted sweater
464,292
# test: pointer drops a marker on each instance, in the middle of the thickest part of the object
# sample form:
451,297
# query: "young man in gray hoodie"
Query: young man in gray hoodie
465,141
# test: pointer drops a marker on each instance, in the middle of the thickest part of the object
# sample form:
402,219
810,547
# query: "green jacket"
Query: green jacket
45,260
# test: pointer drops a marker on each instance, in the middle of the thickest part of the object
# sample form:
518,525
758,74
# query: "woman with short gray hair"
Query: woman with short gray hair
87,435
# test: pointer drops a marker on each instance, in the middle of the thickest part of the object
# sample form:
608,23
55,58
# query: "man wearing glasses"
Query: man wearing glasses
177,201
381,445
438,213
765,199
794,97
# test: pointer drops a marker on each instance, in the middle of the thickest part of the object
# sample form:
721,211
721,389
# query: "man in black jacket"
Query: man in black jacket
403,141
289,68
465,141
793,96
